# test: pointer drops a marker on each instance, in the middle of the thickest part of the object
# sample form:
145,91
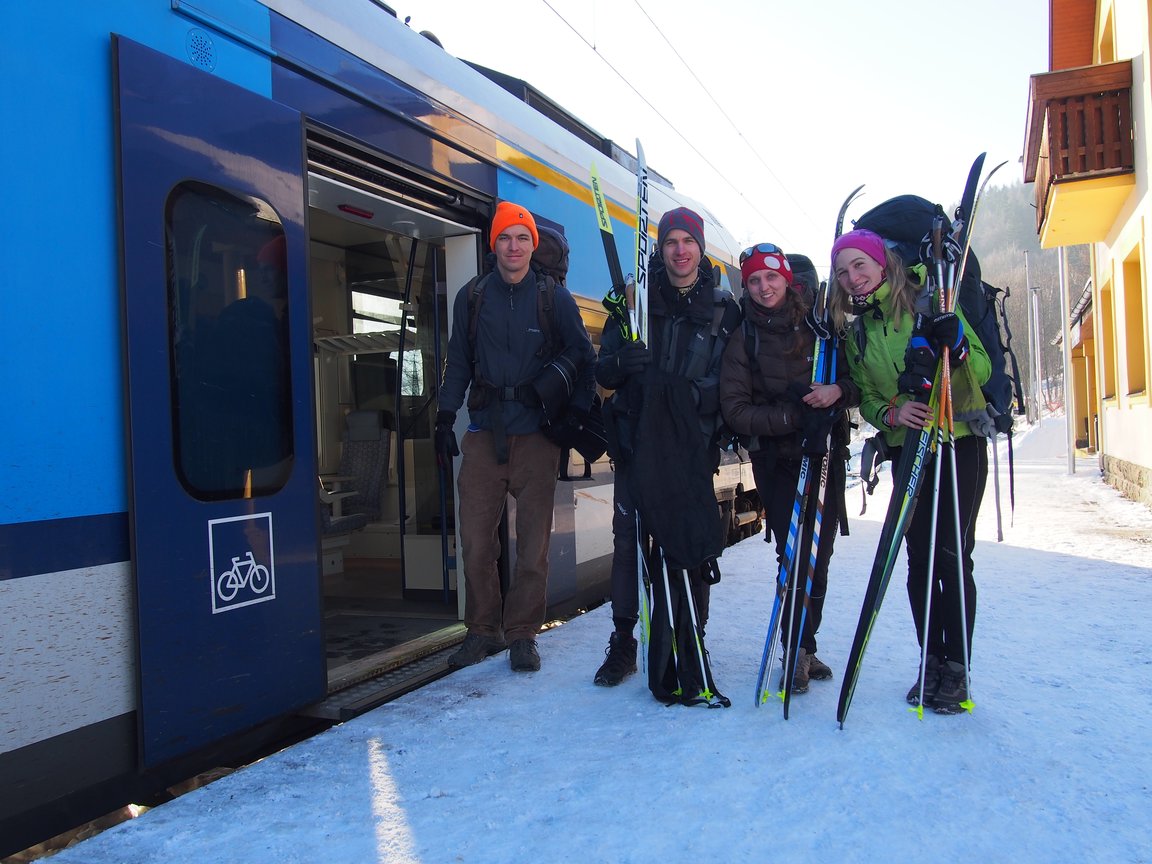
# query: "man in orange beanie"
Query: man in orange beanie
513,238
505,451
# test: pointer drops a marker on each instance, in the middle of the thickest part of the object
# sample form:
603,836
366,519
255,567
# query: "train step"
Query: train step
371,682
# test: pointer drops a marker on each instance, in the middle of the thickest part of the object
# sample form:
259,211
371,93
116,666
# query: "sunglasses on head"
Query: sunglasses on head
763,248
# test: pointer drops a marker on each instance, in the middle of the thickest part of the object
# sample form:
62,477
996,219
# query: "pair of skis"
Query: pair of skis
908,474
804,525
628,299
629,294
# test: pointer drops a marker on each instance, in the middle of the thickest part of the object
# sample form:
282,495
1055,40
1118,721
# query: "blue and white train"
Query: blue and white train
217,487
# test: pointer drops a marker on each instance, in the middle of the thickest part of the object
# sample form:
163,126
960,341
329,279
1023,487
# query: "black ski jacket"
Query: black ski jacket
508,350
683,343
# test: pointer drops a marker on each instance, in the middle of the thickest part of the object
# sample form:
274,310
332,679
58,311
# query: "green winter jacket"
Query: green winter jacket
877,367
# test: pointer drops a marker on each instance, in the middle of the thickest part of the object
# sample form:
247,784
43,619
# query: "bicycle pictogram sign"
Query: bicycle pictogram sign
243,567
250,573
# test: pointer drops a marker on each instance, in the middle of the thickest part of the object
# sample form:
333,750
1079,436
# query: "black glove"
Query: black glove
632,358
948,331
821,326
919,361
815,427
445,439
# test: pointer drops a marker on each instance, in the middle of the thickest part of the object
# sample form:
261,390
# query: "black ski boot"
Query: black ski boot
474,649
953,690
818,670
931,683
523,655
620,661
803,672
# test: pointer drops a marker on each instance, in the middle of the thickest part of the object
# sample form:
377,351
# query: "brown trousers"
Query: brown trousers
529,476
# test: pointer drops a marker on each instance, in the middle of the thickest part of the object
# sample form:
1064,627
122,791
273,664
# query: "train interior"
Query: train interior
379,268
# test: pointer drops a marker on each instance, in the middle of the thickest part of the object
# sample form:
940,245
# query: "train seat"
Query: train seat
336,529
364,458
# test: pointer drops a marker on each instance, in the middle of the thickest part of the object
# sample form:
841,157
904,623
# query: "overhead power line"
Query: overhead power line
668,122
724,113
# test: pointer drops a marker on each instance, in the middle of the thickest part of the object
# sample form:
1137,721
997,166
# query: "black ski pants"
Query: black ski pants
945,636
625,582
776,482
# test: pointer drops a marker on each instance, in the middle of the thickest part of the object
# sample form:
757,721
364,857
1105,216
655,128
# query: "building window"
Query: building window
1135,334
1107,354
228,327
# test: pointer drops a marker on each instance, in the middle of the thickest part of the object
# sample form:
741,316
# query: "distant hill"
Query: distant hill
1006,229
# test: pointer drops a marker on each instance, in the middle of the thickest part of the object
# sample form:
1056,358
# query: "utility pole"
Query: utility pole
1065,324
1032,409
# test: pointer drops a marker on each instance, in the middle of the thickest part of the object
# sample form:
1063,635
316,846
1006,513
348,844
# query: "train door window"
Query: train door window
228,331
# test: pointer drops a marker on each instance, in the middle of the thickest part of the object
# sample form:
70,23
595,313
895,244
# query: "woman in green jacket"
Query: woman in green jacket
892,356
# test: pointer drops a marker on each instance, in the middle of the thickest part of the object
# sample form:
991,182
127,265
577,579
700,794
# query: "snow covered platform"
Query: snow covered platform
491,766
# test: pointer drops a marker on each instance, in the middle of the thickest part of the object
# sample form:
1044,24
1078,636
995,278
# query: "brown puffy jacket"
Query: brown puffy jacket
760,400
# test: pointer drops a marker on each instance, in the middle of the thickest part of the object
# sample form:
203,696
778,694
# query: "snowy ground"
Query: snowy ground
487,766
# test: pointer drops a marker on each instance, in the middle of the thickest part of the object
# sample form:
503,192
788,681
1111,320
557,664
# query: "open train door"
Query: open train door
219,366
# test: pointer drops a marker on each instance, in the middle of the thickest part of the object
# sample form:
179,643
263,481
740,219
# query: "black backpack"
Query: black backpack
905,222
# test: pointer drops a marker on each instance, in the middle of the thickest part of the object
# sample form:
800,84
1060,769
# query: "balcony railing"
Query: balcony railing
1079,127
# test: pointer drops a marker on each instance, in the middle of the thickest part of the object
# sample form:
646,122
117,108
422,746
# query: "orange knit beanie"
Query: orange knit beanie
509,214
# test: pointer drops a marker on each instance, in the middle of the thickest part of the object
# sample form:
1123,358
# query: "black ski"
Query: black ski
611,254
640,301
616,302
908,478
852,196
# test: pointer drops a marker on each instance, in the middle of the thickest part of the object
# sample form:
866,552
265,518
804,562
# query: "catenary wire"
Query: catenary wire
731,122
667,122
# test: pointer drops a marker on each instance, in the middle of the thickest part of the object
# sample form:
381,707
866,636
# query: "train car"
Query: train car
220,502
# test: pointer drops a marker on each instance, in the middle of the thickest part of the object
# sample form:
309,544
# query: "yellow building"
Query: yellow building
1087,148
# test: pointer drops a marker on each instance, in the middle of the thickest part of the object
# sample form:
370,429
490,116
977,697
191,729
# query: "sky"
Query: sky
771,112
490,766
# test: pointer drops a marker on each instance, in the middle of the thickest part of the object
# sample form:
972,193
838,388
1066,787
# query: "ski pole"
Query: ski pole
950,301
996,484
644,589
782,577
943,408
929,576
671,620
705,686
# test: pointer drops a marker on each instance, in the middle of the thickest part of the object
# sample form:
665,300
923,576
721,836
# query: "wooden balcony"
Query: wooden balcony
1079,151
